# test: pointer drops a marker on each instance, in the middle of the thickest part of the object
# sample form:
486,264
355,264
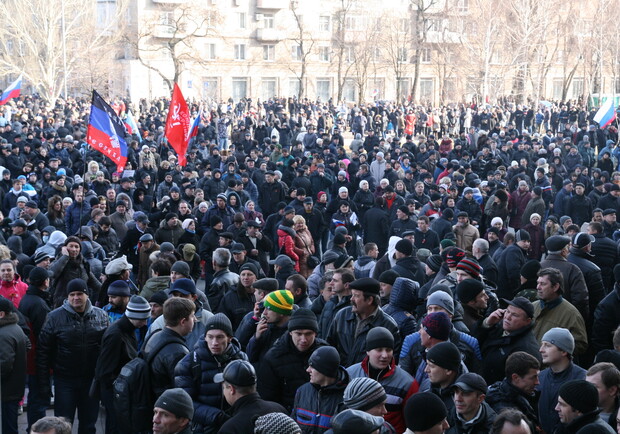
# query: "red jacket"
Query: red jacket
13,290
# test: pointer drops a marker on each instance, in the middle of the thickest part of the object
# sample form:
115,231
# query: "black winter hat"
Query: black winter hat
177,401
389,277
37,276
219,321
580,394
303,319
326,360
423,411
405,247
468,290
530,269
445,355
379,337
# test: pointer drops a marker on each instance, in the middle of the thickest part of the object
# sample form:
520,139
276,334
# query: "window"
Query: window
349,54
376,86
210,88
348,89
462,6
324,54
210,51
293,86
269,52
351,23
559,58
239,51
9,46
558,87
404,87
241,20
166,18
426,88
323,88
376,54
425,55
239,88
268,88
296,53
402,54
268,21
434,24
577,87
324,23
105,12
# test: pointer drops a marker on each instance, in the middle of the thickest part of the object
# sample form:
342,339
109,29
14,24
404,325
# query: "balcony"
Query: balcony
268,35
272,4
163,31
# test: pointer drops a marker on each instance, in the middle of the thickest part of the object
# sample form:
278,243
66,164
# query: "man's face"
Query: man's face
380,358
610,218
183,208
467,403
7,272
247,278
544,290
118,301
606,396
550,353
463,221
386,289
303,339
492,236
566,412
165,422
579,190
217,341
436,374
515,319
111,195
239,257
221,203
17,230
315,376
432,308
157,310
121,209
271,316
461,275
77,300
173,222
528,382
360,304
480,302
175,275
597,217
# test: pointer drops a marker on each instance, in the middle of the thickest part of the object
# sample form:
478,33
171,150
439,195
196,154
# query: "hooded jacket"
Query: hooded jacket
14,344
403,300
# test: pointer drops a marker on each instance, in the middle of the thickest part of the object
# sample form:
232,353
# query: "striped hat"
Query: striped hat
470,266
280,302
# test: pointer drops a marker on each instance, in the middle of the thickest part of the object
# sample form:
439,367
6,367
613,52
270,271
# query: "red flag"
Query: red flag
177,124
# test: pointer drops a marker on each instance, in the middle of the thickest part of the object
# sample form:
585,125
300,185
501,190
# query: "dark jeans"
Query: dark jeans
9,417
37,404
72,394
107,399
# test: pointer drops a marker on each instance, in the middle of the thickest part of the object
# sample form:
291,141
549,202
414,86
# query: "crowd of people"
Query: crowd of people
313,268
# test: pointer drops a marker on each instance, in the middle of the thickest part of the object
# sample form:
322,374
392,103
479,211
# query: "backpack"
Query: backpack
132,392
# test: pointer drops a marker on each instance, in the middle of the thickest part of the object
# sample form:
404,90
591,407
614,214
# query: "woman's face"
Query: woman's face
74,249
192,226
57,206
365,186
250,206
498,225
535,221
298,226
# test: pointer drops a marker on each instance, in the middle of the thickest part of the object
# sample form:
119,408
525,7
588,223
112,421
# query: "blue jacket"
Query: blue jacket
549,388
403,300
74,215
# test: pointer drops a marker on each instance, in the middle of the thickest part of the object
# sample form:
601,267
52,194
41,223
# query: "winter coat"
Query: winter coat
69,344
509,268
605,255
269,196
350,342
304,248
314,405
15,345
480,424
223,281
589,423
403,300
465,236
549,388
496,347
286,244
580,209
535,205
560,313
108,240
173,349
537,241
575,289
592,276
442,226
167,234
503,394
236,303
283,371
14,290
153,285
64,269
328,312
194,373
411,268
119,345
245,411
398,226
399,387
376,226
606,320
35,305
519,203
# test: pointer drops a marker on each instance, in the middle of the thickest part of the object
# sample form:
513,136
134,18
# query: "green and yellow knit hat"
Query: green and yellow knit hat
280,301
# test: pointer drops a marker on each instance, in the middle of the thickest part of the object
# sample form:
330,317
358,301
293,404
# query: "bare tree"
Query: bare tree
174,35
342,20
420,10
303,43
395,42
47,47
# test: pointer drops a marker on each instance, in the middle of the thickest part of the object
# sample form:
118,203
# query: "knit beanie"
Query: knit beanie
434,262
468,290
437,325
454,256
363,393
388,276
181,267
138,308
561,338
379,337
303,319
470,266
119,288
326,360
405,247
37,276
445,355
219,321
530,269
280,301
423,411
77,285
177,402
276,423
186,223
445,243
441,299
159,297
580,394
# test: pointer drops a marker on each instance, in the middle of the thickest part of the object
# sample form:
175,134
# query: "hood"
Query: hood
285,230
66,306
49,229
364,260
392,249
56,239
404,294
87,232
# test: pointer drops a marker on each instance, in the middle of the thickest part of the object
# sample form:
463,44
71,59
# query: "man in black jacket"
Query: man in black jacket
578,409
510,262
408,265
239,389
169,343
69,343
605,252
35,305
119,346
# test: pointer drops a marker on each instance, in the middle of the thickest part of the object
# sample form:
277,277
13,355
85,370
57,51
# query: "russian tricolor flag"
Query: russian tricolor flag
606,114
133,126
12,91
193,130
